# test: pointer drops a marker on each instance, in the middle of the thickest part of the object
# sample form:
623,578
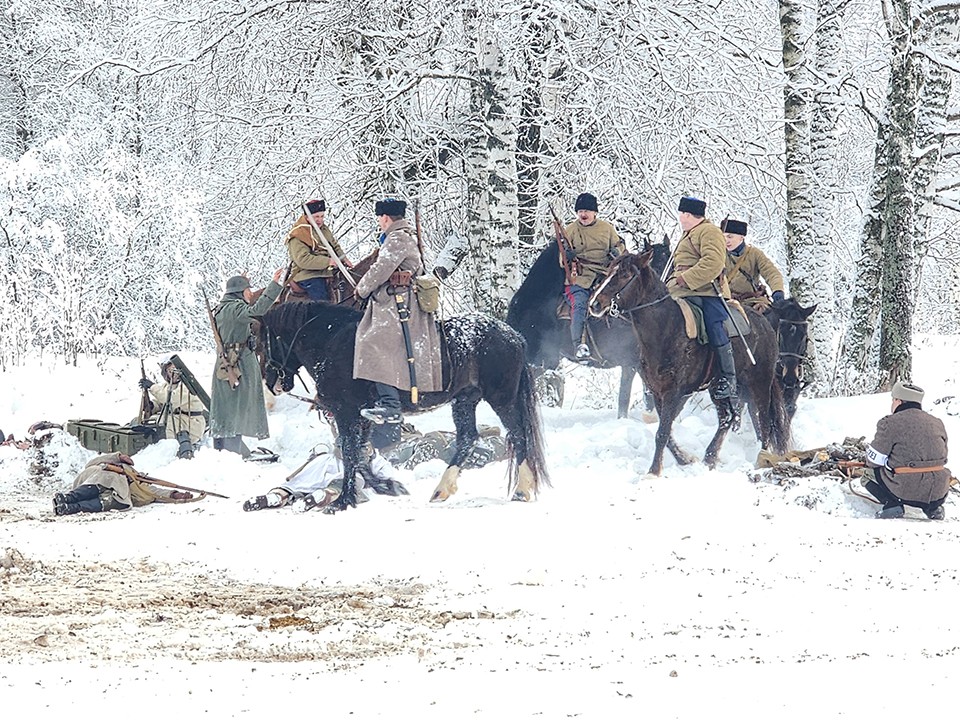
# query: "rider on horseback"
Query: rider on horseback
746,265
696,275
312,266
593,244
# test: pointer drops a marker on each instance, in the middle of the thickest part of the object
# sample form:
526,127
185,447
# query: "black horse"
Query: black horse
533,313
790,321
673,366
482,360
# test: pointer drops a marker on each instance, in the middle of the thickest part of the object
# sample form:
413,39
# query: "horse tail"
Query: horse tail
532,427
779,419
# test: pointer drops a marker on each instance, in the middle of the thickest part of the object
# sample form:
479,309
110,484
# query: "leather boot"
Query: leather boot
185,451
727,385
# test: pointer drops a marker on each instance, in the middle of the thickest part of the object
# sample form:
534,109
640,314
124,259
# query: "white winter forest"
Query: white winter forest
150,149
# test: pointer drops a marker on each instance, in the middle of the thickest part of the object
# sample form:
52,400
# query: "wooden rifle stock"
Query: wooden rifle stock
563,244
145,405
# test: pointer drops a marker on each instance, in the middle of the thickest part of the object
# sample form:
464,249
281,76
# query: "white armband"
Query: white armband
876,458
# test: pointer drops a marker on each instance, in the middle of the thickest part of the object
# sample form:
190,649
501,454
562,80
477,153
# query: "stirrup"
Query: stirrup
583,352
381,416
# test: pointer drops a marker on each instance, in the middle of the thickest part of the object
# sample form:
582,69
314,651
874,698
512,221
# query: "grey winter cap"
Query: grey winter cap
238,283
907,393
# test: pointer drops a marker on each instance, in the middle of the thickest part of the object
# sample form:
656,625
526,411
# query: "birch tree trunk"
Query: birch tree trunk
492,217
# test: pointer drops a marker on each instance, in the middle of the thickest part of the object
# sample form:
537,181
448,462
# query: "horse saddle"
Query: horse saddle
564,311
736,325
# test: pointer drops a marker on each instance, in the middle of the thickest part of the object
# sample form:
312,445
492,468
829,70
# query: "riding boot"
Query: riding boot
185,451
727,384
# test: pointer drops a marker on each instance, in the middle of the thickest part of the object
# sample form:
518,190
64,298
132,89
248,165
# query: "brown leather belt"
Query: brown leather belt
906,469
188,412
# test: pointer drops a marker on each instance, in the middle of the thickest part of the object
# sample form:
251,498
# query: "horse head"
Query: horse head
280,363
789,319
628,284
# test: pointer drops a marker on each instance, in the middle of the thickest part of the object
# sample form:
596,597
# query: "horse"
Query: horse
483,359
674,366
790,321
533,313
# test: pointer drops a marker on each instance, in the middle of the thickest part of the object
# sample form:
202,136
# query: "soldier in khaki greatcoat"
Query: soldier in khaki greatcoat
380,354
908,455
594,243
746,266
697,276
312,266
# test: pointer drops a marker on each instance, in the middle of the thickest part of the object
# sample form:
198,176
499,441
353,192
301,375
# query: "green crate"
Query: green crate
104,437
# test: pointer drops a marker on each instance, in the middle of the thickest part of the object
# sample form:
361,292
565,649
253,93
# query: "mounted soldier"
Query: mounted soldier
397,343
236,402
746,265
309,246
698,276
589,246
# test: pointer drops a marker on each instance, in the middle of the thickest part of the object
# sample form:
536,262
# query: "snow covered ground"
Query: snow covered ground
692,595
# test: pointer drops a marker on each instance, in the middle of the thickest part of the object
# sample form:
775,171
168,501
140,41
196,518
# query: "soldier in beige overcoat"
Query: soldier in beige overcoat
311,264
381,355
97,488
697,275
185,420
594,243
908,455
746,266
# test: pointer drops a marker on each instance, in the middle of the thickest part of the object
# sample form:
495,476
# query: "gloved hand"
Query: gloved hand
777,295
571,254
145,384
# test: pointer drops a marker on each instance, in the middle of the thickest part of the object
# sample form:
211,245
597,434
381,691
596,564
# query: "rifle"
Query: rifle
333,256
563,243
143,477
145,404
224,366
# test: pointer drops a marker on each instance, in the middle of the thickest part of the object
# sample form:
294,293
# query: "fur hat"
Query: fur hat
238,283
391,207
907,393
315,206
586,201
692,205
734,227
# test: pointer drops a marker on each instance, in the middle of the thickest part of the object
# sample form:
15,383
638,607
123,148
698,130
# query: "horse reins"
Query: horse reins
614,309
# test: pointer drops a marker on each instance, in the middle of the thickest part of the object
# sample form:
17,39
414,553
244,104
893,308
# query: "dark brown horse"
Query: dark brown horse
673,367
790,320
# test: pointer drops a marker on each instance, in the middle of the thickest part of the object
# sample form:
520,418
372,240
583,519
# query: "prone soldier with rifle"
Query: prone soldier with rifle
587,245
109,482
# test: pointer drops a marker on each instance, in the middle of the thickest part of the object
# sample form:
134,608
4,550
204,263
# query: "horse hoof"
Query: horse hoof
520,496
439,496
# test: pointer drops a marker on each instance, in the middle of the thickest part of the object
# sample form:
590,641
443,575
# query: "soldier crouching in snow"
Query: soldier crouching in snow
908,456
109,482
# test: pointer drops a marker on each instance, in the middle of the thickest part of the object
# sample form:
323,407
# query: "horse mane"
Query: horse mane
543,280
290,317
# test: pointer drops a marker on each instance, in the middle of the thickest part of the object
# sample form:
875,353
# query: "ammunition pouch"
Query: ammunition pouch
228,363
401,278
427,290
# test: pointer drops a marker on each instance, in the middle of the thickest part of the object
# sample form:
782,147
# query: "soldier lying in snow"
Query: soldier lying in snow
109,482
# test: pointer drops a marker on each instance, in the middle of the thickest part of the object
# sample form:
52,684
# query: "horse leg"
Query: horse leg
725,410
668,410
626,387
465,423
352,441
523,486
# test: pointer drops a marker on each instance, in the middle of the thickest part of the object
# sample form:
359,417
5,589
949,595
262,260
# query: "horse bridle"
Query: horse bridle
282,369
614,309
800,356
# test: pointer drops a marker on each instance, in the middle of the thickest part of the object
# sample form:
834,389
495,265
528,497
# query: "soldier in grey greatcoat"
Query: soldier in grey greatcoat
238,411
908,455
381,354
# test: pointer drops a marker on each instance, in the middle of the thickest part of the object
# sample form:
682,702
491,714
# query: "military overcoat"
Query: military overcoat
744,273
185,412
911,437
96,474
596,245
240,410
699,258
380,353
308,253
